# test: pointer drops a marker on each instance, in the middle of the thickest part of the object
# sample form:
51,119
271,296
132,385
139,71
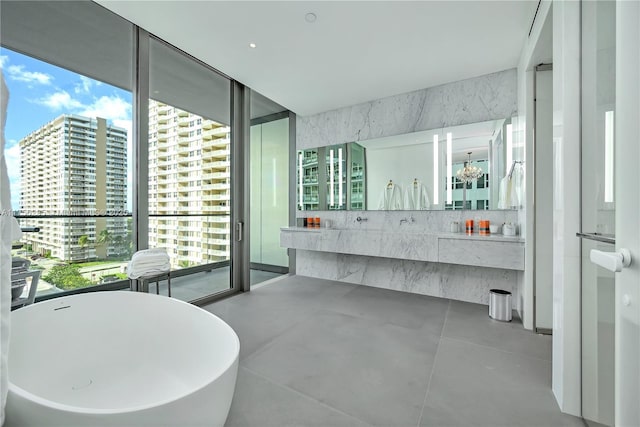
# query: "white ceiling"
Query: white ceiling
356,51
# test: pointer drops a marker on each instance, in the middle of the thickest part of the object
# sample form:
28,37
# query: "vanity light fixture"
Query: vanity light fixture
509,155
300,172
436,178
252,45
608,156
449,170
340,177
331,182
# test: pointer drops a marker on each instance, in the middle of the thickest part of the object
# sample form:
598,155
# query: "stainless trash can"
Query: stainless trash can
500,305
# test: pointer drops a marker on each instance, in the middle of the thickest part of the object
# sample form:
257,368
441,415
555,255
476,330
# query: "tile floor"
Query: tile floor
320,353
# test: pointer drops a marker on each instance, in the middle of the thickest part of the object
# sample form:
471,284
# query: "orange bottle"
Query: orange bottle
468,226
483,230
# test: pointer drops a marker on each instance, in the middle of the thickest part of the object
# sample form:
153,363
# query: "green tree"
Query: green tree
83,241
119,244
67,277
104,237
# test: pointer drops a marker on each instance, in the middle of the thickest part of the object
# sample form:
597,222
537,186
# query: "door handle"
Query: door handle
240,229
612,261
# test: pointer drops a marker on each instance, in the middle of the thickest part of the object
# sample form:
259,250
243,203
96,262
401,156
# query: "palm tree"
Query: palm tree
83,241
118,242
104,237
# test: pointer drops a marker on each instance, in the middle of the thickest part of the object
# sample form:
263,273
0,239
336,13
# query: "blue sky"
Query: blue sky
40,92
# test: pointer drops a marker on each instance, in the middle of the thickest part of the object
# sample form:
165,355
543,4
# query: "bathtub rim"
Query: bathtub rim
22,393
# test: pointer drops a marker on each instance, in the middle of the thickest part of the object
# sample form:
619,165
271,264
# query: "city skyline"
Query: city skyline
74,163
46,91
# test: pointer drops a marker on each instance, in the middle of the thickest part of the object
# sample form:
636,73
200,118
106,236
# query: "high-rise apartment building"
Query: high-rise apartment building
189,186
71,167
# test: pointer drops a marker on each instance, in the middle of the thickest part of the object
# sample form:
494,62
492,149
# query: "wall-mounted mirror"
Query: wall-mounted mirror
460,167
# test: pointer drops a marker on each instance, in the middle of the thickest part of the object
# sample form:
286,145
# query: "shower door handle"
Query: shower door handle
240,230
612,261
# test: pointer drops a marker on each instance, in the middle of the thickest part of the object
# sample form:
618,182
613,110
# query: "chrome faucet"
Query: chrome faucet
411,219
360,219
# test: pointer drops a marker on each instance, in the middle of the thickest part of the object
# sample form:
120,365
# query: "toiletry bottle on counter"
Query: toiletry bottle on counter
454,227
483,229
508,229
468,226
316,222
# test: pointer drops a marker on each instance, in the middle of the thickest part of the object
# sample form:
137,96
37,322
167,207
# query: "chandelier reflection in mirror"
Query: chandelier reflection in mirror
469,173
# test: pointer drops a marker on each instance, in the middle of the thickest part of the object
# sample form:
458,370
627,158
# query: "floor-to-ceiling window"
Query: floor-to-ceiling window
109,155
69,118
189,170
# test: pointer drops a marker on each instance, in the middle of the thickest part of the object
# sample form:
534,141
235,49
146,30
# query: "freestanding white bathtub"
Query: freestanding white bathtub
119,359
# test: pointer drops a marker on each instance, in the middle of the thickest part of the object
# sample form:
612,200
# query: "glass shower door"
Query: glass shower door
598,210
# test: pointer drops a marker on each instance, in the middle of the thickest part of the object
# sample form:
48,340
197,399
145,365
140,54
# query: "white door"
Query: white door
627,282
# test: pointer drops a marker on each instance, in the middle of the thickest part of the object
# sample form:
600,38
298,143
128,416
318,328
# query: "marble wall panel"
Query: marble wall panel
488,97
464,283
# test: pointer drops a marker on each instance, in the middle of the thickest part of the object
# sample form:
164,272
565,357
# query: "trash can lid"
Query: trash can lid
499,291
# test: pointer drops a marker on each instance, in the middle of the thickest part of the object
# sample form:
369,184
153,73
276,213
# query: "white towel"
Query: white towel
391,198
416,198
149,262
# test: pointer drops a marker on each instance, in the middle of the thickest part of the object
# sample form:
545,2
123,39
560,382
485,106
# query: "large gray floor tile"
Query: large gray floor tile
465,366
519,408
400,308
479,386
296,291
377,372
260,402
256,324
266,312
471,322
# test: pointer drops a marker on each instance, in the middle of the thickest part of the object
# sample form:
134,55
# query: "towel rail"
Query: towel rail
513,165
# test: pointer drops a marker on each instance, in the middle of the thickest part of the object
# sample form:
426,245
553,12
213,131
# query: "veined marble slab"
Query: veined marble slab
489,97
459,282
497,254
375,243
453,248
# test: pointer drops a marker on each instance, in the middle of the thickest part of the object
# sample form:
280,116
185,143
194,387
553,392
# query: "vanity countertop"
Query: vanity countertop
497,251
441,235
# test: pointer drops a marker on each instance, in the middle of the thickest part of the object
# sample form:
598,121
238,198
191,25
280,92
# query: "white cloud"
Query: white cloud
3,60
84,86
60,100
108,107
18,73
113,108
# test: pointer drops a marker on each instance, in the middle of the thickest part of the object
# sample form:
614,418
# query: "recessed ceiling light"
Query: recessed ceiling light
310,17
252,45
